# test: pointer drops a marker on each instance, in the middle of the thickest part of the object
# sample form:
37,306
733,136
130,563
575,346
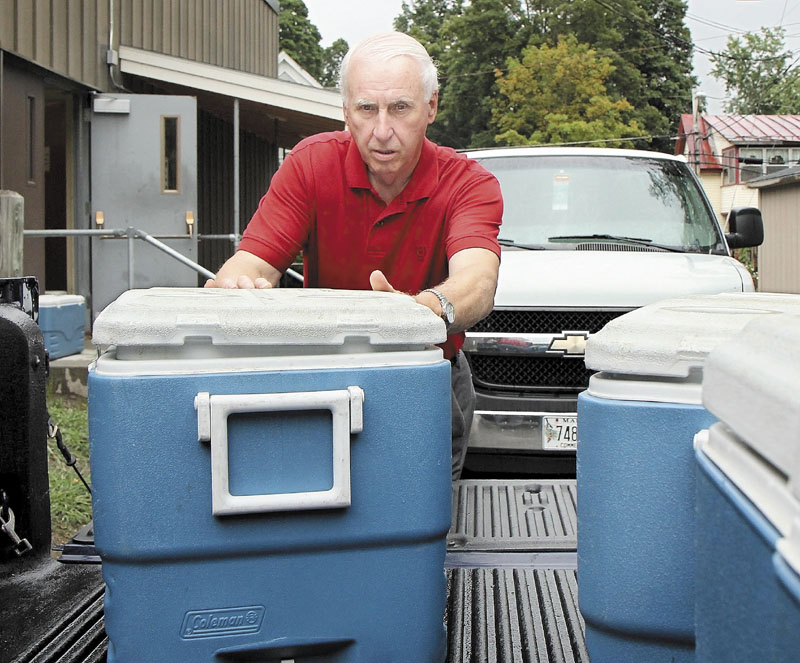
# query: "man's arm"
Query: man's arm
470,287
245,270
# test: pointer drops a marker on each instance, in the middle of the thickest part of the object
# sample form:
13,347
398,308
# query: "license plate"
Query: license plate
560,433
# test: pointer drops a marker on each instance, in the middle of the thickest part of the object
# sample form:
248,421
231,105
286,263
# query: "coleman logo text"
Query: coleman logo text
223,621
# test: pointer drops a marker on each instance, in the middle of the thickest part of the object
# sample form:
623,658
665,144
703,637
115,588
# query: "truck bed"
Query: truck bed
511,578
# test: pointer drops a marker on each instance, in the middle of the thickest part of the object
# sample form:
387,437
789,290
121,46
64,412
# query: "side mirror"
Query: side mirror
745,227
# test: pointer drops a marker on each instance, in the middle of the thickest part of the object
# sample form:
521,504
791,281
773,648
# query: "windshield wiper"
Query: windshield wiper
510,242
639,241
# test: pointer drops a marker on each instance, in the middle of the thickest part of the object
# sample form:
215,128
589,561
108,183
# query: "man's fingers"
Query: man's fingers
245,282
241,282
379,282
220,283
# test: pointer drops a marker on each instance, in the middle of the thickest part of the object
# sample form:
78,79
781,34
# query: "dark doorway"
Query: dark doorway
56,127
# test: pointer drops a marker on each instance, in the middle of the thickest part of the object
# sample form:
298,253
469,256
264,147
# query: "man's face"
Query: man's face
387,115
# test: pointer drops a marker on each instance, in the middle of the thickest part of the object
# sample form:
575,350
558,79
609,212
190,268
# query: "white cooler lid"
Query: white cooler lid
60,300
672,338
168,317
752,384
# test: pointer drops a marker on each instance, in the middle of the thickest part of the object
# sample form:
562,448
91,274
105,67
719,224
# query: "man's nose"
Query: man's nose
383,126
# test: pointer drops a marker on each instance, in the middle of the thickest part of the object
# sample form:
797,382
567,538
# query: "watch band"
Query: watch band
448,314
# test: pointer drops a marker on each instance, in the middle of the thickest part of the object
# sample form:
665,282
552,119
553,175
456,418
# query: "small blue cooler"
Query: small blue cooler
635,475
271,476
62,319
748,498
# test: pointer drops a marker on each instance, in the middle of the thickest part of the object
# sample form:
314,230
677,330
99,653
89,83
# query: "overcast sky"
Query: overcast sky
711,23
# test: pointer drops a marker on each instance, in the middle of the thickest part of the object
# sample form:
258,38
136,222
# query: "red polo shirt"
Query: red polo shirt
321,202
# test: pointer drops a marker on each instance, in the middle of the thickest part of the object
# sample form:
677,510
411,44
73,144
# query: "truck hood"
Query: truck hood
612,278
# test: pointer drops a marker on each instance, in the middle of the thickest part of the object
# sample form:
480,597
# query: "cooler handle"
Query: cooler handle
346,406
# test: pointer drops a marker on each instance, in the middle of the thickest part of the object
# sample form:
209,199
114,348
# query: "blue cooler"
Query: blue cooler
271,476
748,498
635,473
62,319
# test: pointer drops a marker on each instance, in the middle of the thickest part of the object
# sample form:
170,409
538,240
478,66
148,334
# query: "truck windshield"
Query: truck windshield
565,201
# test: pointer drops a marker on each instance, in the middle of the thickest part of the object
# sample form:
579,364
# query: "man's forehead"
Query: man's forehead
398,73
389,100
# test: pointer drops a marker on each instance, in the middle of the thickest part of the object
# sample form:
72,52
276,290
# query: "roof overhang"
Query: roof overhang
278,110
792,176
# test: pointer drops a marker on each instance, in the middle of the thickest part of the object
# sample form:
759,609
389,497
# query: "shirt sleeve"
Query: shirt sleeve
476,213
279,228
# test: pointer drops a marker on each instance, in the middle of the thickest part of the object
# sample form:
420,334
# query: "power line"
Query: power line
612,6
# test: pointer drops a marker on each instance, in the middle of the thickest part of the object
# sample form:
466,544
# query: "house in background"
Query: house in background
778,266
166,116
729,151
290,70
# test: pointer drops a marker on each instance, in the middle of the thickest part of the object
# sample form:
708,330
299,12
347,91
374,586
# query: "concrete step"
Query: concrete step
69,375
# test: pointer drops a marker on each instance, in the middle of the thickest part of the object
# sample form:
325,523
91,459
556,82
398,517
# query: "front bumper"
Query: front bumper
517,424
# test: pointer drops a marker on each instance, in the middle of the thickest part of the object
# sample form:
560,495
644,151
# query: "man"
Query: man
381,206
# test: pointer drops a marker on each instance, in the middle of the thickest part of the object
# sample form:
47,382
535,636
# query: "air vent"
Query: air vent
614,246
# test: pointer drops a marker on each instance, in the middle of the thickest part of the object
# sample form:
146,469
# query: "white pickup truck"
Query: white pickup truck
588,234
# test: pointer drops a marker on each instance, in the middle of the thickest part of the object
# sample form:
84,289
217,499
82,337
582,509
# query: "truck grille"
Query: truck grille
529,373
551,373
542,321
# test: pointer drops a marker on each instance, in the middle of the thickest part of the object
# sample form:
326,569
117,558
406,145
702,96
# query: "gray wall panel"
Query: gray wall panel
70,37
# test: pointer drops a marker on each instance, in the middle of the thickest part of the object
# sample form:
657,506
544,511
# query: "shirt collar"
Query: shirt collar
425,176
423,180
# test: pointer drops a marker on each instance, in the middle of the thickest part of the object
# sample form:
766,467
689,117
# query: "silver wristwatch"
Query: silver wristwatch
448,312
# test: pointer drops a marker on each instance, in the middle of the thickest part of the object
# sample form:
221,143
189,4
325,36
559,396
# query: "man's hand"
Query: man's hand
243,281
247,271
379,282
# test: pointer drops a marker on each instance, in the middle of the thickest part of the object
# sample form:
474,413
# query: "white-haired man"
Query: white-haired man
380,206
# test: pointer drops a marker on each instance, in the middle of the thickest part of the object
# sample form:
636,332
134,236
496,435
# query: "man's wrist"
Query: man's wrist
446,311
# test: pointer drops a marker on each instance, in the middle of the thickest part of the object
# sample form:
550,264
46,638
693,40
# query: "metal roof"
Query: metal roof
749,129
697,151
778,178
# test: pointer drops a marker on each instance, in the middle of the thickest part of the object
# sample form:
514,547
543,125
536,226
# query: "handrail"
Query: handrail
136,233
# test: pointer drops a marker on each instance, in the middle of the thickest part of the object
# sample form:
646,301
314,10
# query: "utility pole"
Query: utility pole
696,101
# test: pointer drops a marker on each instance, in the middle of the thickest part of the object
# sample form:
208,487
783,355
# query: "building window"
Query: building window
730,165
31,140
751,162
170,151
777,159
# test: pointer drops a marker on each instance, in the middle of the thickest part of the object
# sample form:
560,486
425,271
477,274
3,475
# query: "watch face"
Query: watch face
448,312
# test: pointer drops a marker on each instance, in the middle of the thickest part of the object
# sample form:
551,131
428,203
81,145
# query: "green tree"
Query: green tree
646,40
649,46
299,37
425,19
558,94
759,73
331,61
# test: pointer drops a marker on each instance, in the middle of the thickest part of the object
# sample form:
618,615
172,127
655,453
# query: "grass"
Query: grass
70,502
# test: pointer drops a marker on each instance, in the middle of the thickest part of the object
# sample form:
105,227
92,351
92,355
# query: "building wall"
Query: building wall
71,37
738,195
22,110
237,34
779,269
257,159
711,182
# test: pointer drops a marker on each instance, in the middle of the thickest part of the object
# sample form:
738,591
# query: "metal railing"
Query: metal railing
132,234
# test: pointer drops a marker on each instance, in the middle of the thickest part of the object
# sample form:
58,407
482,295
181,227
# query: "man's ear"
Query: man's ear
433,107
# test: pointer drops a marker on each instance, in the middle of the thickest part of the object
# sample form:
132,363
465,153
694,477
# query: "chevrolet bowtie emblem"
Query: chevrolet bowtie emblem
570,343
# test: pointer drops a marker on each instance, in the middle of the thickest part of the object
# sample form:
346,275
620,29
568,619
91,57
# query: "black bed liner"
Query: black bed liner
511,578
